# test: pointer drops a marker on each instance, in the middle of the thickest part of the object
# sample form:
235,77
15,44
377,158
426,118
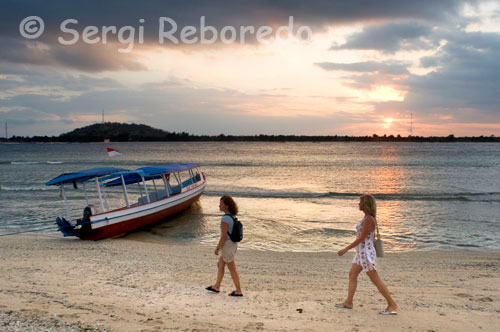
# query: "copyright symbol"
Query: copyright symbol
31,27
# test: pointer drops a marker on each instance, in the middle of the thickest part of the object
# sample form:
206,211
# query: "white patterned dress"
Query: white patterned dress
365,251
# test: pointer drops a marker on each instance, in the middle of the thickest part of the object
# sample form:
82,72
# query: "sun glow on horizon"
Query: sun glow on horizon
388,122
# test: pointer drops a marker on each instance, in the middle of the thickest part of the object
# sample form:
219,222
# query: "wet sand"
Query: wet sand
62,284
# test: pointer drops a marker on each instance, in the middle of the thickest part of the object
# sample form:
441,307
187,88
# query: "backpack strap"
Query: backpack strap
232,217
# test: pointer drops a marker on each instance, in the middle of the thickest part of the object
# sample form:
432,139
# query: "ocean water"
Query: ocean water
292,196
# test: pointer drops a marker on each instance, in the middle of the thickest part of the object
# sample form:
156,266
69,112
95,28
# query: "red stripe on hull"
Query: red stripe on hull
124,227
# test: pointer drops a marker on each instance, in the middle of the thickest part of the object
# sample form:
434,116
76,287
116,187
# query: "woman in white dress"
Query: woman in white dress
365,259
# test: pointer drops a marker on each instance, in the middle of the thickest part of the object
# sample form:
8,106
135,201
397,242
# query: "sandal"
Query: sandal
210,288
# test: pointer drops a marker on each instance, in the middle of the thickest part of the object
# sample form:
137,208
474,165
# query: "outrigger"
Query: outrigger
161,192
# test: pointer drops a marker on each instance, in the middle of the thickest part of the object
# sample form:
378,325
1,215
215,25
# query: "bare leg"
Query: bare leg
382,288
353,283
236,278
220,274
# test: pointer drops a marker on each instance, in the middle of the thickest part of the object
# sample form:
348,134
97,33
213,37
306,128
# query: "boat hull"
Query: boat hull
134,223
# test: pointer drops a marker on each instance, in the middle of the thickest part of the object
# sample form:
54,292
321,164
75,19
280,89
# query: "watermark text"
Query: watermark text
167,32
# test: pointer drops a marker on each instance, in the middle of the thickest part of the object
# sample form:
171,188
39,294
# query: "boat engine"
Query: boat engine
65,227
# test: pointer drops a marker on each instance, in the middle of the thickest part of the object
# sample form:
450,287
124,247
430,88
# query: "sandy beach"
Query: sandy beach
61,284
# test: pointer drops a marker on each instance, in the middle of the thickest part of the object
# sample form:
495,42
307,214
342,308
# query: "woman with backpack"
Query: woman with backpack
226,246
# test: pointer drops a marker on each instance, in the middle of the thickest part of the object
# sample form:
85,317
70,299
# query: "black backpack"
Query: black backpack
237,234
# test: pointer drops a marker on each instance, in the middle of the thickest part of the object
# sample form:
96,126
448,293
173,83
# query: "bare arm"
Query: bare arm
223,237
368,227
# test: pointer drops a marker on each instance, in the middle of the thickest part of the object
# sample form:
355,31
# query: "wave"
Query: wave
24,162
30,162
327,232
235,164
493,197
306,164
265,194
462,197
27,188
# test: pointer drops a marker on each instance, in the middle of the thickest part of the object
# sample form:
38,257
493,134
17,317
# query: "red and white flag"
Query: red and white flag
113,152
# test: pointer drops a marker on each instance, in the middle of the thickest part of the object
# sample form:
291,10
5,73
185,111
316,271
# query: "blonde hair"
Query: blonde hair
369,205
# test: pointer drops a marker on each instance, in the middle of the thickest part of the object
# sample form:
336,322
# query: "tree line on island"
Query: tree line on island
124,132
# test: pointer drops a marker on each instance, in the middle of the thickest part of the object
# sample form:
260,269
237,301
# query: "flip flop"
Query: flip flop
210,288
233,293
342,306
385,312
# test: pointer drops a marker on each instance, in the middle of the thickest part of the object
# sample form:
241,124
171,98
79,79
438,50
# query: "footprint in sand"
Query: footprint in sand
484,299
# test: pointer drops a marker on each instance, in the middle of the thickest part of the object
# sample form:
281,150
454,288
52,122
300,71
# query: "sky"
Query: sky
359,67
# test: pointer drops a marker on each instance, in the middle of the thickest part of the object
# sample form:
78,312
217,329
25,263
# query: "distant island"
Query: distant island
124,132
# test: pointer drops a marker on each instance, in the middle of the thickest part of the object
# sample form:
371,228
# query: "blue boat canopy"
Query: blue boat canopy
83,175
148,173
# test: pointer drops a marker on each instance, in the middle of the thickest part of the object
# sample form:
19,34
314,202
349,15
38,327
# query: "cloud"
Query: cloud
461,89
389,67
467,80
462,84
82,57
389,38
218,13
368,75
57,85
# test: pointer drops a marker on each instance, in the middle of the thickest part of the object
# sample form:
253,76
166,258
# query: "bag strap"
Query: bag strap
376,227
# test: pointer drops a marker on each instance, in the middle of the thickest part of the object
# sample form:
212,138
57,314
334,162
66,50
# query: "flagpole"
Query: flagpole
113,153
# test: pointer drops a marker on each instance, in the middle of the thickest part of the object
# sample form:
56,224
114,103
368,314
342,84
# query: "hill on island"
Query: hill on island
119,132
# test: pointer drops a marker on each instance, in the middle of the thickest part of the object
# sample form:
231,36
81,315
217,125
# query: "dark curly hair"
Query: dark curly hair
231,204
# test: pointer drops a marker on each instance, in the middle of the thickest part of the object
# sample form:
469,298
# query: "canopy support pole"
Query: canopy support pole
156,191
100,195
68,213
125,194
177,177
146,189
86,195
165,182
105,198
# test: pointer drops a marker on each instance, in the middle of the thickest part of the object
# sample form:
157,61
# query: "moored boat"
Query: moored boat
120,207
